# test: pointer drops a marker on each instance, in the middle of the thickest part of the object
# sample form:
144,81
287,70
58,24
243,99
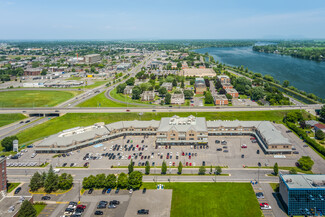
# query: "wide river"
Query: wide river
303,74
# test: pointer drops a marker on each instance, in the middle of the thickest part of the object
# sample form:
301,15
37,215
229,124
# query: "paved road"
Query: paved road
237,174
16,127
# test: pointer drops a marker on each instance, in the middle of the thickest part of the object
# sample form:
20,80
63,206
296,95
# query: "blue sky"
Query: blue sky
161,19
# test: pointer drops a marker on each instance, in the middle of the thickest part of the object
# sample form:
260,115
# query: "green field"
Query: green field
71,120
125,98
100,100
34,98
6,119
95,84
212,199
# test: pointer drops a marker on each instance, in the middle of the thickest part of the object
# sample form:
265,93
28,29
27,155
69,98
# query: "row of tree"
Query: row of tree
50,181
131,181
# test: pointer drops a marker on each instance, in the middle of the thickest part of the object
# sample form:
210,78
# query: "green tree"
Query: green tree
65,181
89,182
100,180
162,91
35,182
229,97
120,88
208,99
147,168
51,181
35,64
135,180
168,98
182,84
285,83
44,72
202,170
211,169
174,83
130,81
136,92
276,169
110,181
322,112
218,170
293,171
257,93
163,168
180,168
188,94
306,163
320,135
179,65
130,167
27,210
122,180
6,143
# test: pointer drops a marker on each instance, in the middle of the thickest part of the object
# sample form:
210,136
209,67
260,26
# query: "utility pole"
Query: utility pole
79,191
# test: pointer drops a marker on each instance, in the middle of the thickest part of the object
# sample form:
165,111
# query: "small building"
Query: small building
92,58
227,86
319,127
311,123
177,98
202,72
123,66
32,72
220,99
303,194
200,86
148,96
168,86
128,90
224,79
232,92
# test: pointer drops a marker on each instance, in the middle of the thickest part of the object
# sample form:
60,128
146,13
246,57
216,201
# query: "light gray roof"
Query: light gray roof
183,124
311,122
308,181
271,135
134,124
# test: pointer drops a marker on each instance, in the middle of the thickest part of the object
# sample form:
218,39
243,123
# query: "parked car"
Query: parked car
242,156
111,206
115,202
109,190
117,190
101,206
46,198
219,149
98,212
80,206
144,191
259,195
104,191
143,212
17,190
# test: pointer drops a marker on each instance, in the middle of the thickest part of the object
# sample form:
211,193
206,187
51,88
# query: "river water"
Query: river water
303,74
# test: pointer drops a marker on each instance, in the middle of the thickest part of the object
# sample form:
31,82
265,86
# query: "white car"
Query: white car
266,207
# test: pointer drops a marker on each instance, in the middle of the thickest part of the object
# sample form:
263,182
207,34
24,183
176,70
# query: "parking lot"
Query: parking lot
120,151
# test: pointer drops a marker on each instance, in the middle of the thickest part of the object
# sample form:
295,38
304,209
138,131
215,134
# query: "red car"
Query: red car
81,207
137,146
252,138
189,157
183,153
128,110
263,204
186,163
129,157
173,164
243,146
190,164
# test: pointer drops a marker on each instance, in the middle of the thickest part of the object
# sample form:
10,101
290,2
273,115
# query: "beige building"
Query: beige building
198,72
92,58
177,98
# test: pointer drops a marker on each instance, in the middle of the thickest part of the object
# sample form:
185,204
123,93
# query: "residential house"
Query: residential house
128,90
232,92
148,96
168,86
200,86
177,98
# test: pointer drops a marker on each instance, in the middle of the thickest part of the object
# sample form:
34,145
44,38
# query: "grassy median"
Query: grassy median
6,119
71,120
34,98
100,100
212,199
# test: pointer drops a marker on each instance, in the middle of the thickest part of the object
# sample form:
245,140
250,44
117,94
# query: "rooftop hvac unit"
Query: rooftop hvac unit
289,180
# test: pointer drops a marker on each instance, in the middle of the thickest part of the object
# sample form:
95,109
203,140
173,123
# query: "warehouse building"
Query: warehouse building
92,58
303,194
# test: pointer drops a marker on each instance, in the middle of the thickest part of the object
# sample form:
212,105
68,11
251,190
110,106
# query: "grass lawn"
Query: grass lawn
34,98
125,99
12,186
103,101
95,84
71,120
212,199
6,119
275,187
39,208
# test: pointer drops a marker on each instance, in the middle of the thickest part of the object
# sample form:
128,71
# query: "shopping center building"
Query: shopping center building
168,131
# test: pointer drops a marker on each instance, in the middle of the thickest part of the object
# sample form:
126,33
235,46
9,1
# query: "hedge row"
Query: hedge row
306,138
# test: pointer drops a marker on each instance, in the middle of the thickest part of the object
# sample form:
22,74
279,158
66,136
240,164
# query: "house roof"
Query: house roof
320,126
